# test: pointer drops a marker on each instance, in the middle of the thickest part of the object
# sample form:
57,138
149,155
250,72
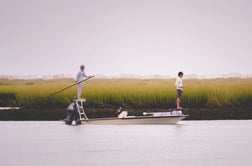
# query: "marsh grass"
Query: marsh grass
131,93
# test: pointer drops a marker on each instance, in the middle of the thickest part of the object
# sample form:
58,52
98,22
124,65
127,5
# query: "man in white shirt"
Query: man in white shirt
179,88
79,78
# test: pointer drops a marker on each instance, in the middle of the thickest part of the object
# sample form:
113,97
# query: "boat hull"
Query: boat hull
149,120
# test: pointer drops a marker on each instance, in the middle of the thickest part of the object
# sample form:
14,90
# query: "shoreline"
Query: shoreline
51,114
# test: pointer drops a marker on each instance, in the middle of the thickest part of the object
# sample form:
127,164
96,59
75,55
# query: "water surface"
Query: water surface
196,143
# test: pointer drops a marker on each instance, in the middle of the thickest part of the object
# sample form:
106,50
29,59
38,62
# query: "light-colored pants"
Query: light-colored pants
79,90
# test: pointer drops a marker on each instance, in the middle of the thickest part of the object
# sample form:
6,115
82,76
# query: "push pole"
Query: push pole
69,86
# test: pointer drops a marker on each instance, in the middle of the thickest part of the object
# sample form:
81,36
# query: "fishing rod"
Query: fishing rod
105,104
59,91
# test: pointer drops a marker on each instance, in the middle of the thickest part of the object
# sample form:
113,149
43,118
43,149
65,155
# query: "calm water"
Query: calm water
196,143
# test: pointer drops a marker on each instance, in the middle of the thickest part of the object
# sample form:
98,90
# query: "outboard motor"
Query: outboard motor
72,114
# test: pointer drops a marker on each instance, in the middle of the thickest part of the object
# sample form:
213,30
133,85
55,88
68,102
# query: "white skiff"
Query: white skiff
135,120
169,117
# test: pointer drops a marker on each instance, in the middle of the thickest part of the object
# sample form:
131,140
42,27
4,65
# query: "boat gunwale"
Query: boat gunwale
135,117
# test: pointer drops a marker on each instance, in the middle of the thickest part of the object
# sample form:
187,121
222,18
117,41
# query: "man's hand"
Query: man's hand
91,76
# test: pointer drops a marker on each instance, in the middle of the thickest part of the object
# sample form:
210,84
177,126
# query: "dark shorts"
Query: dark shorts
179,93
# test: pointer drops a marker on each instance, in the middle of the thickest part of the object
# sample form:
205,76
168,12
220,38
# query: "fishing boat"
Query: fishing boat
172,116
134,120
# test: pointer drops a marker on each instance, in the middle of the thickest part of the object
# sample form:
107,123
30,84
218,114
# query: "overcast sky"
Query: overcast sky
112,37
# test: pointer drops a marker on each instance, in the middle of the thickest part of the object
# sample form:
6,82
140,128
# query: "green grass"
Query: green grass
130,93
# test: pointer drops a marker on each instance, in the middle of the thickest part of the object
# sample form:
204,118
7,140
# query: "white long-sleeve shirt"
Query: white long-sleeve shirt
179,83
81,76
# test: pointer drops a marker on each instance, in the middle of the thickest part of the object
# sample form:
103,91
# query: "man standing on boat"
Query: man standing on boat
179,88
79,79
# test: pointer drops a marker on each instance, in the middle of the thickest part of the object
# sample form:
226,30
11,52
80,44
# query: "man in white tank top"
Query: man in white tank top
179,88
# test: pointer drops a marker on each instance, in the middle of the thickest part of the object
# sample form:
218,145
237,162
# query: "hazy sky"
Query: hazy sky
112,37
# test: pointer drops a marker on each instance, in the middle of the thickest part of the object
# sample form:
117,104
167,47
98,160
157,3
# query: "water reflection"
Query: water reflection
188,143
